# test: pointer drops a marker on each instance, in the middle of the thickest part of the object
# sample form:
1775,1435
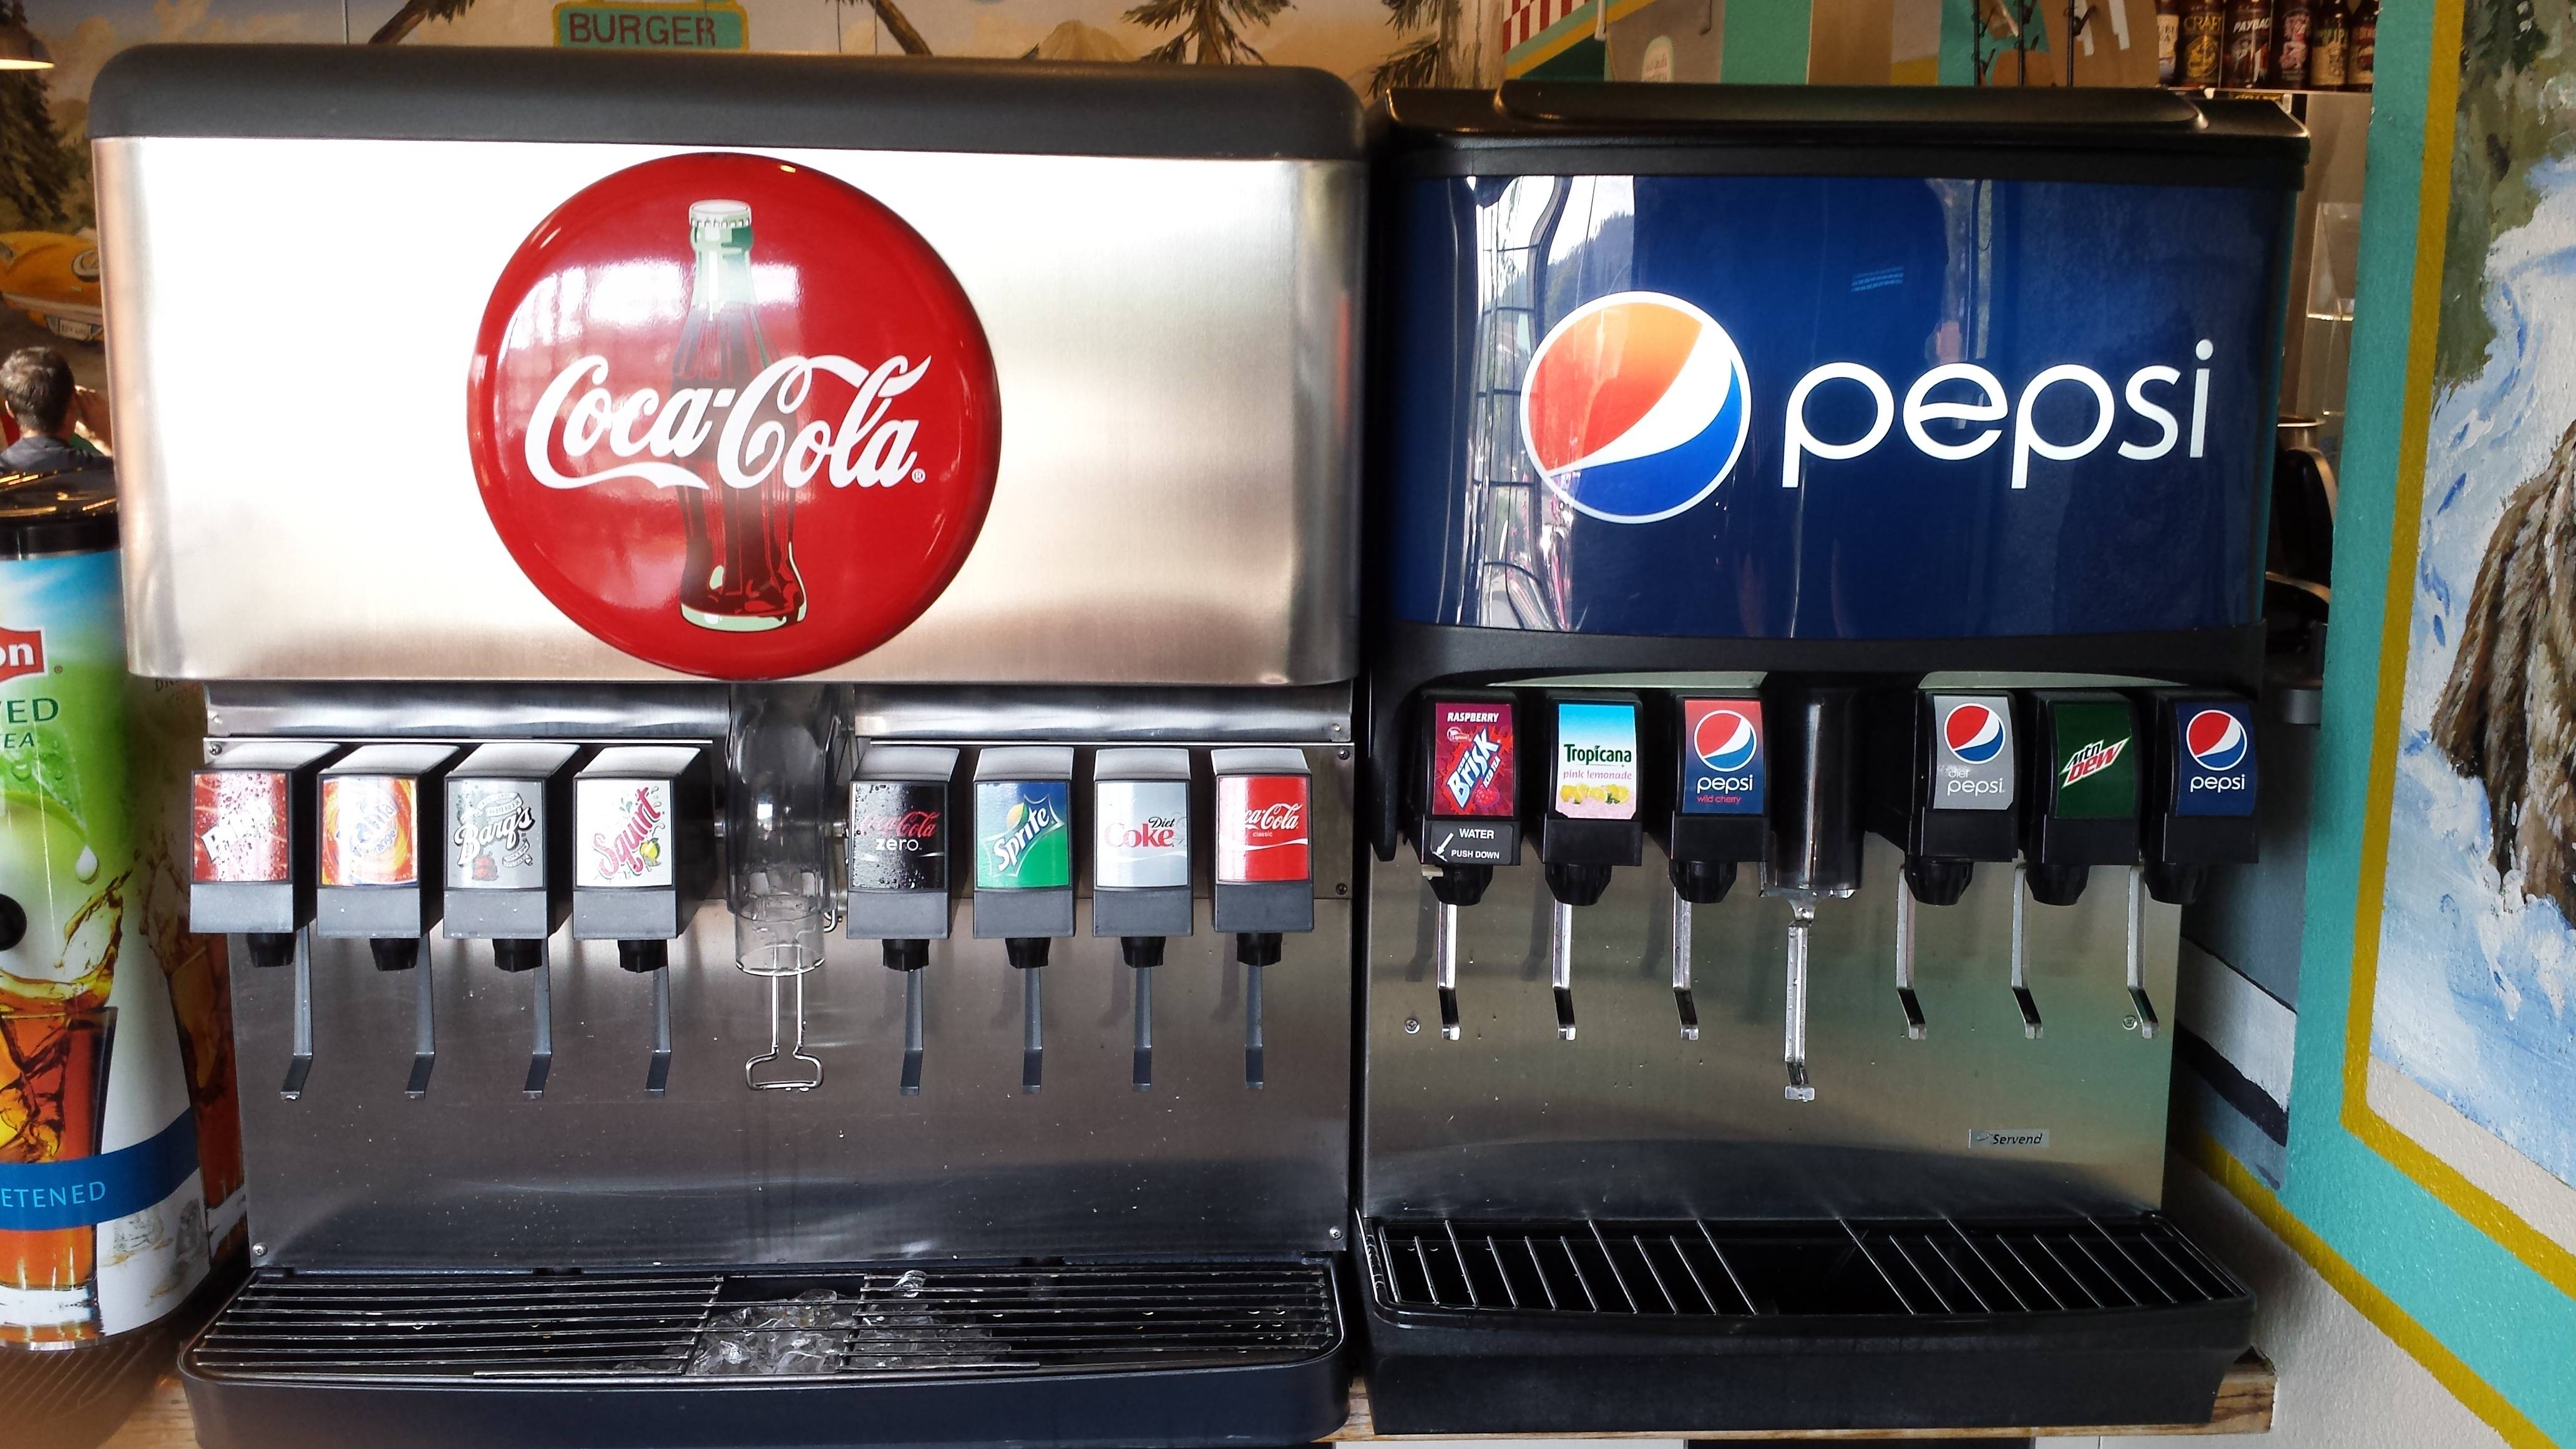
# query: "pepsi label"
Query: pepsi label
898,836
1972,752
1723,766
2214,766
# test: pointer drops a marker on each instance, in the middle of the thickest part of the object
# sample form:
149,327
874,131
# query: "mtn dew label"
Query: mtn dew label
102,1214
1023,835
2096,760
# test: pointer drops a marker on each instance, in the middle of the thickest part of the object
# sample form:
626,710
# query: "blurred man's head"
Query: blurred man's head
36,385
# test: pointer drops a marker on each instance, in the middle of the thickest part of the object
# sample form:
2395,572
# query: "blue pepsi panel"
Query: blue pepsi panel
1723,763
2214,766
1850,407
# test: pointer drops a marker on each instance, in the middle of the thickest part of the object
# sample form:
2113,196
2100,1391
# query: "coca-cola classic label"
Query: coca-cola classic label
898,836
733,416
1262,829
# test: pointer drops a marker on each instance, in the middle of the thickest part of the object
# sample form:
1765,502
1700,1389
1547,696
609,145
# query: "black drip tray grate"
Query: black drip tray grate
837,1325
1686,1268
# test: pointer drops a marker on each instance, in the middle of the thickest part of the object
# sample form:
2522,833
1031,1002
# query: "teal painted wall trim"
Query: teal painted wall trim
2505,1322
1958,42
1766,42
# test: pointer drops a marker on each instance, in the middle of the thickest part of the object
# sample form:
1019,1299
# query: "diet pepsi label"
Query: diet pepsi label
1141,834
2214,766
1972,753
898,836
1596,761
1724,767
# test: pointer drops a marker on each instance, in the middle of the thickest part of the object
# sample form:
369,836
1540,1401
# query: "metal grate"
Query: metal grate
875,1323
1690,1268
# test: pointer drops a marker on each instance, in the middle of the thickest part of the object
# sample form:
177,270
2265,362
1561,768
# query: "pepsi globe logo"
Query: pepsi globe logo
1973,732
1725,741
2217,740
1634,407
733,416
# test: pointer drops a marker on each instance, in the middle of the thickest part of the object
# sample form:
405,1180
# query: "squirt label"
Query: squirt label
1141,834
1972,752
1596,761
2096,761
1723,762
2214,768
1263,829
1023,835
1471,759
622,833
898,836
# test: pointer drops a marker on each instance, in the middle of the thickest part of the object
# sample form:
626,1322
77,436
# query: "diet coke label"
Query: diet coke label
1262,829
733,416
1141,834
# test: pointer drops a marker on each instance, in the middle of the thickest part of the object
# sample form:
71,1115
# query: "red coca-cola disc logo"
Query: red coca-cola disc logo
733,416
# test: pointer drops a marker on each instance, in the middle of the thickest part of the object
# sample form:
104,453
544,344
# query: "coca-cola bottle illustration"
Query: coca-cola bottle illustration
741,570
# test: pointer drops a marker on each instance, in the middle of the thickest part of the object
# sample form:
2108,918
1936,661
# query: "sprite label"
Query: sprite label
1023,835
2096,757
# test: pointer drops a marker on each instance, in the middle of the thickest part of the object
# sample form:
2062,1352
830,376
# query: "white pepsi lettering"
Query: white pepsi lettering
866,448
1920,410
1802,442
2026,438
2221,782
2138,403
2200,397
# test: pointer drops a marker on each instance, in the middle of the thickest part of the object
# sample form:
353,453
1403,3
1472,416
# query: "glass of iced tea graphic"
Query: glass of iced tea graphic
53,1084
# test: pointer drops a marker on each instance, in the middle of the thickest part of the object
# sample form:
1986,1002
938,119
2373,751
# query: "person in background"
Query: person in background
51,412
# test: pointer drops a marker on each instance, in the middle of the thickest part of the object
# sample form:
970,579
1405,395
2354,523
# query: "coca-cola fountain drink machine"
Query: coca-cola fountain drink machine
659,1052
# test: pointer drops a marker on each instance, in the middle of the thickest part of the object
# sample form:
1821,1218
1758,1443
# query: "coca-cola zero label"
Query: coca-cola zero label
898,836
1262,829
733,416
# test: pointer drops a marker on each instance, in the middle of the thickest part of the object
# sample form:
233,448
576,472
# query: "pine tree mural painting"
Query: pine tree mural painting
37,171
1426,61
1208,29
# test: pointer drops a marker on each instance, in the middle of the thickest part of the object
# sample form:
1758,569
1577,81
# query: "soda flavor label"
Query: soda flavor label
2095,761
1722,757
1141,834
898,836
367,830
1596,761
1023,835
492,839
2214,768
1972,752
238,823
733,416
1262,829
1472,755
622,833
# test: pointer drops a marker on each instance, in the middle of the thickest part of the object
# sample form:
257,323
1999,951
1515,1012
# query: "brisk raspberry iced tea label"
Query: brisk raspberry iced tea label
622,832
239,825
1471,759
367,830
1262,829
733,416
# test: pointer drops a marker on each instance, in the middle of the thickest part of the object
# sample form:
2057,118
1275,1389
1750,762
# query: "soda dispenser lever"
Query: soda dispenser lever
1815,833
1024,872
1943,778
1590,822
1465,817
898,847
643,849
252,816
2079,810
1140,870
509,868
1716,819
779,809
1264,882
2199,812
380,875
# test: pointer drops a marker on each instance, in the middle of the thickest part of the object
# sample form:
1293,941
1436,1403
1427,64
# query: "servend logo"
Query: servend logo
1637,405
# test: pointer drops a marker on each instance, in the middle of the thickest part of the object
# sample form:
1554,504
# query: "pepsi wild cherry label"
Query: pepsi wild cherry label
1723,757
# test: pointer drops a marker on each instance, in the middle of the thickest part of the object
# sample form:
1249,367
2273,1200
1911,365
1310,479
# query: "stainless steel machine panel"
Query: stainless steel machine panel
1176,342
1630,1120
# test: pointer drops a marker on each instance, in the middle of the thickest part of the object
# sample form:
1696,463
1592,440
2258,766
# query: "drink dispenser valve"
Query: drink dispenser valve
780,807
2079,807
509,867
1140,869
1024,872
380,871
252,816
1265,868
643,852
1715,819
2199,810
1815,832
1943,785
1466,817
1589,821
898,843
